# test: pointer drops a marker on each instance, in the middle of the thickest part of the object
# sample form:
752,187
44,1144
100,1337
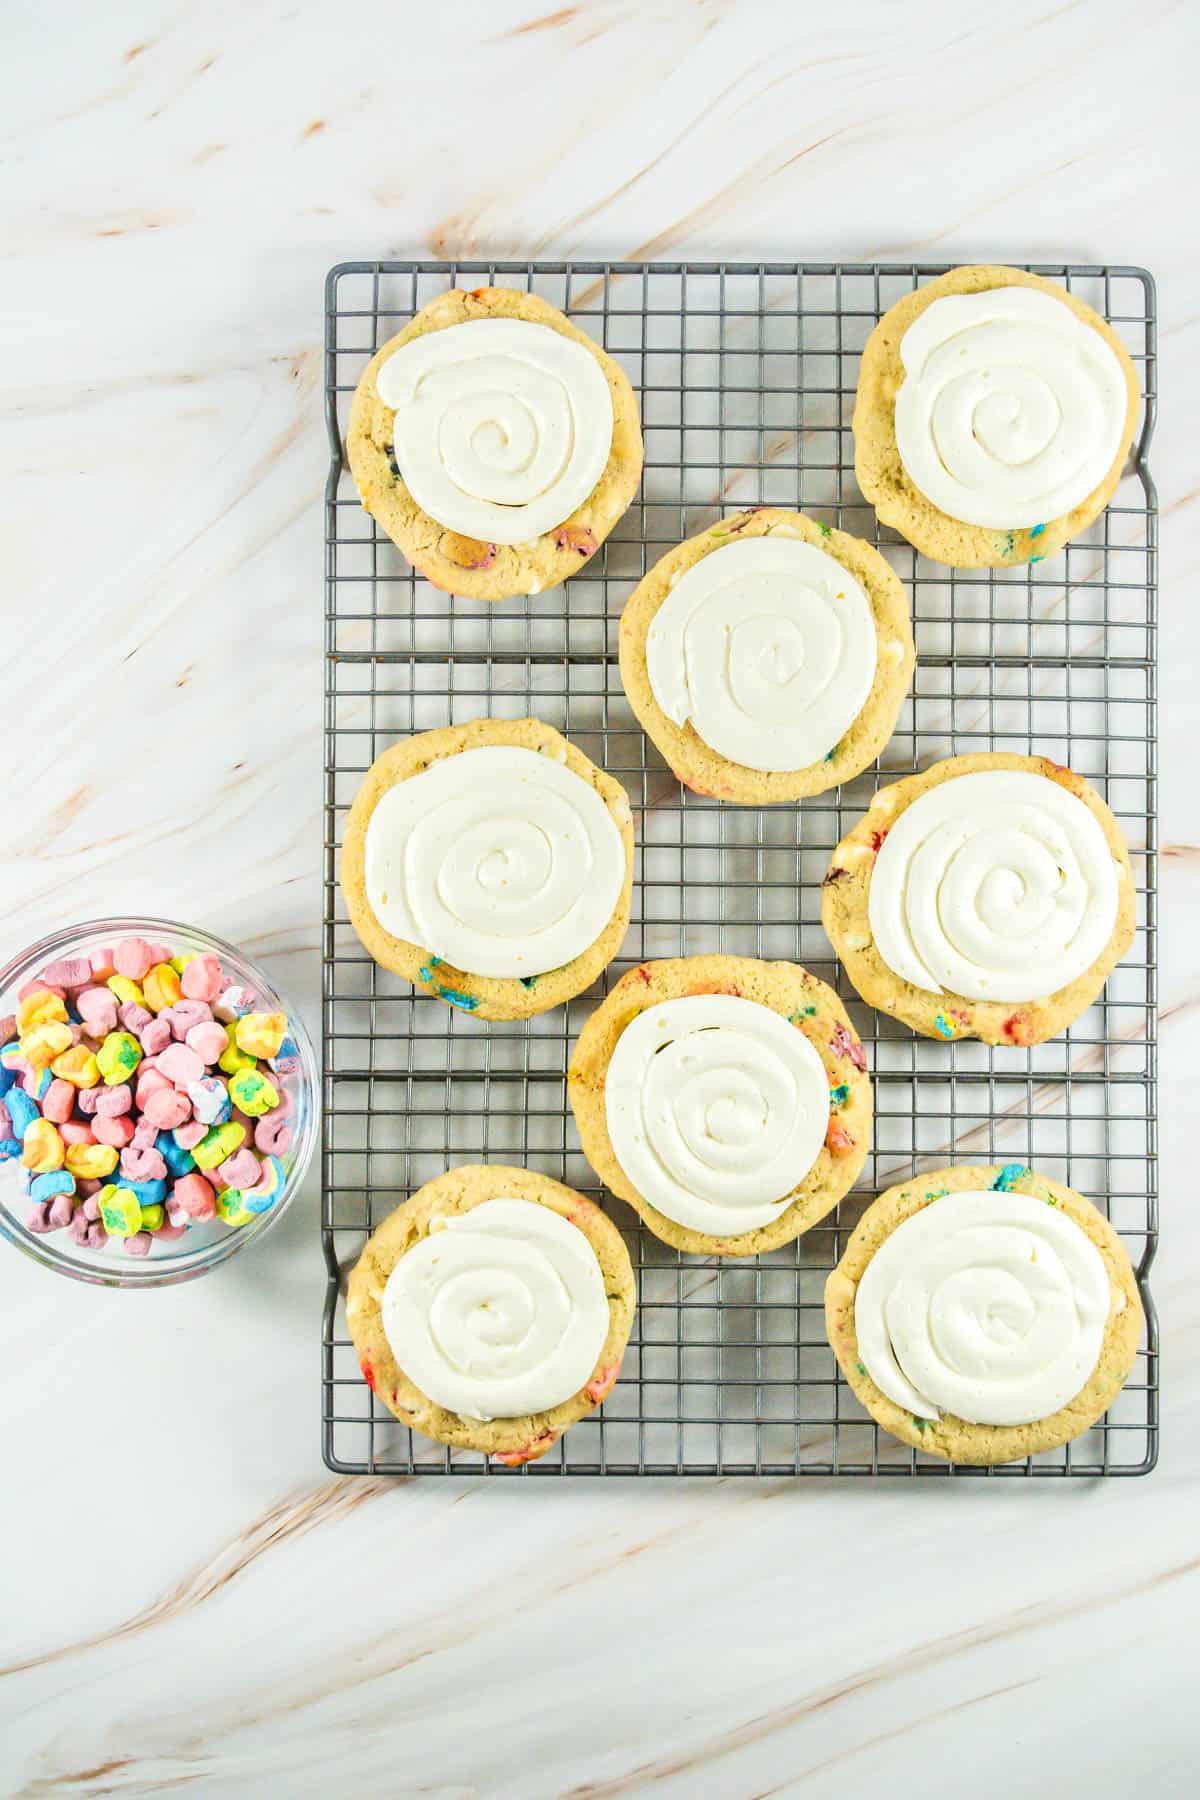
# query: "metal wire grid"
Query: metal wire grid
746,377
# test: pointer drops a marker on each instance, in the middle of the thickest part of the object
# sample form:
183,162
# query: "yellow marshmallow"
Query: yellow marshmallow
78,1066
162,987
91,1162
42,1149
43,1043
40,1008
261,1034
127,992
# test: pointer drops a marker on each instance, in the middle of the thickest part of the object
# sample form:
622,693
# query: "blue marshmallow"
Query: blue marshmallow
177,1159
286,1059
21,1110
149,1193
48,1187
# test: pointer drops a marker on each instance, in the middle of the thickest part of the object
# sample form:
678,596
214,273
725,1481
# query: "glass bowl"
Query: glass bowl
203,1246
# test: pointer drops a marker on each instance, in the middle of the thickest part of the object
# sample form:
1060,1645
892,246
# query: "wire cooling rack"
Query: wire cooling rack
745,376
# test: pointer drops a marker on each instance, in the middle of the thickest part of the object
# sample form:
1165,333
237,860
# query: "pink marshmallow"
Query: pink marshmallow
194,1196
180,1065
142,1164
69,972
38,1219
189,1135
118,1132
86,1186
155,1035
58,1102
62,1210
159,953
91,1207
241,1170
170,1232
150,1081
273,1134
102,963
135,1018
208,1040
88,1100
167,1109
202,979
76,1132
77,1230
114,1102
8,1028
145,1134
184,1014
139,1244
97,1237
133,959
97,1007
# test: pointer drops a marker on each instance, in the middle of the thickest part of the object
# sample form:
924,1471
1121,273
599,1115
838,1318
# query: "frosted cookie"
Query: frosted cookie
490,864
768,657
989,897
492,1310
727,1100
993,418
984,1314
495,443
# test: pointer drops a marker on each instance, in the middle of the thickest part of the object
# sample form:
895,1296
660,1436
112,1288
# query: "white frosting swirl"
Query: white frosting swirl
499,1311
769,647
990,1306
498,860
503,427
717,1108
1011,410
997,885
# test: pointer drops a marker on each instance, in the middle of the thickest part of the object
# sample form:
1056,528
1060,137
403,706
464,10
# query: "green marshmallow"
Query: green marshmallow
218,1143
252,1093
120,1213
232,1208
118,1056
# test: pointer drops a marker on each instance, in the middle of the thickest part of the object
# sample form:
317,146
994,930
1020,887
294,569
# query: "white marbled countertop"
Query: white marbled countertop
188,1599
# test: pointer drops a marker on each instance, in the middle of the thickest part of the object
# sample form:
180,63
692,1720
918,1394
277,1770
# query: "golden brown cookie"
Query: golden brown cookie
845,904
793,995
698,764
957,1439
457,1192
464,565
489,997
881,473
